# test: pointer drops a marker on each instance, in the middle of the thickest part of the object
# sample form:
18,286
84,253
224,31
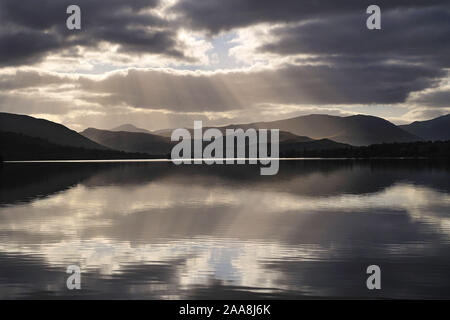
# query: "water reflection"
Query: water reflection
155,230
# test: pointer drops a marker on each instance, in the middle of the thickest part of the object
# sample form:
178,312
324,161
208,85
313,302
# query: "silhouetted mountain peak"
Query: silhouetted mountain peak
129,128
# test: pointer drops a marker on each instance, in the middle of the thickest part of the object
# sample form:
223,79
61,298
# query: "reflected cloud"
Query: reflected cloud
148,231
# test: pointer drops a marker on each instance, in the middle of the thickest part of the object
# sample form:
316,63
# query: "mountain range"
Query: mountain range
161,145
130,141
19,133
434,129
358,130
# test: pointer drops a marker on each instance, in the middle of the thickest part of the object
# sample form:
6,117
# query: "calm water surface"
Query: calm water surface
156,230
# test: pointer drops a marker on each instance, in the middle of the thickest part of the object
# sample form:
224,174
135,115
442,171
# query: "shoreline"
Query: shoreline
224,159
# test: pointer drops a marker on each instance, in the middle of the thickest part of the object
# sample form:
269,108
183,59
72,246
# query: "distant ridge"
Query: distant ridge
129,128
434,129
358,130
130,141
284,136
156,145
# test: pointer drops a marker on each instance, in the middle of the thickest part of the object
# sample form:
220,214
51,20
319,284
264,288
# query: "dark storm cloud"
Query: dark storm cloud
29,30
365,64
25,47
354,65
413,35
291,84
156,89
438,98
219,15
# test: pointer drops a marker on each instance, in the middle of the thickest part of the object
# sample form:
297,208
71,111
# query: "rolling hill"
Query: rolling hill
47,130
358,130
130,141
434,129
156,145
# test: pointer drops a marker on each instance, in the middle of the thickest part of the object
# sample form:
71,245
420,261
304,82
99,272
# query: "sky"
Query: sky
165,63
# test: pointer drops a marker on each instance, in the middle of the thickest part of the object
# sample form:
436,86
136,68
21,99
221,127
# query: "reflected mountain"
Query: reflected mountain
22,182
